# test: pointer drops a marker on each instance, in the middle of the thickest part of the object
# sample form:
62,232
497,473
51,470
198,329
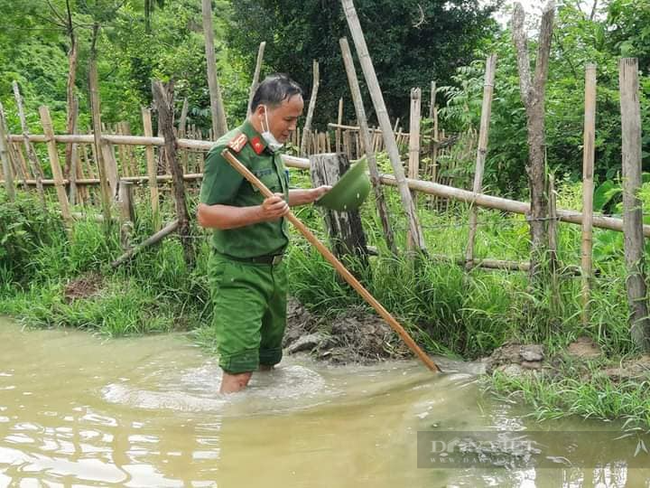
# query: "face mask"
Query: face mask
273,144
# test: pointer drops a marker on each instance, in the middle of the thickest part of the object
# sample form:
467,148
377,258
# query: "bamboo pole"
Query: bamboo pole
95,108
414,148
29,150
339,119
4,156
53,153
589,149
306,132
151,167
256,74
633,212
154,239
71,153
349,277
219,124
552,241
384,121
360,111
481,153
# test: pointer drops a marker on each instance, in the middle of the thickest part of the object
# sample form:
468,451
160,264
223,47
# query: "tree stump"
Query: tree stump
344,229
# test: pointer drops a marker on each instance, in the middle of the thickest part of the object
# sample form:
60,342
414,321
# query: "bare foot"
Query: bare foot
232,383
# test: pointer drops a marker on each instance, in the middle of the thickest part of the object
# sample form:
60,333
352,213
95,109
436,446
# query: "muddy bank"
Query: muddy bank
583,359
352,337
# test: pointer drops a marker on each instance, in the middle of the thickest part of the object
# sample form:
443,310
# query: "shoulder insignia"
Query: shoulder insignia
238,142
258,147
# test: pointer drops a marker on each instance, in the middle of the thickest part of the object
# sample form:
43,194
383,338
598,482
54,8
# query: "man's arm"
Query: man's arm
229,217
303,197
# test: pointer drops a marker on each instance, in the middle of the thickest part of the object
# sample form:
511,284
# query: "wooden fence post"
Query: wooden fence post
481,153
357,99
307,132
532,96
632,207
344,228
384,121
151,168
588,189
164,98
4,156
53,153
29,150
256,75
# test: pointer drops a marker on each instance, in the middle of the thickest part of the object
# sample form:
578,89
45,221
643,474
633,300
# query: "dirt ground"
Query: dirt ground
85,286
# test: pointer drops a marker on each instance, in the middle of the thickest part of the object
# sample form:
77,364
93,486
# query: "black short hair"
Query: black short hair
274,90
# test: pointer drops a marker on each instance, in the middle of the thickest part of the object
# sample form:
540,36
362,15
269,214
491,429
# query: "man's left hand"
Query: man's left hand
319,192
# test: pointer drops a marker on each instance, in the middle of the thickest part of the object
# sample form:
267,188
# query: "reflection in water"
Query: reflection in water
78,411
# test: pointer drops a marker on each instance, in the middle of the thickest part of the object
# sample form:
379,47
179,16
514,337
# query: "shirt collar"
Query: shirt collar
248,129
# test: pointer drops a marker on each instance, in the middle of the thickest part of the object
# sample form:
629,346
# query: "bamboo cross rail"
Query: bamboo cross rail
466,196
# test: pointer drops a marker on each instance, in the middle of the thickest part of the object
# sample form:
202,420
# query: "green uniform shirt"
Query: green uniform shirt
222,184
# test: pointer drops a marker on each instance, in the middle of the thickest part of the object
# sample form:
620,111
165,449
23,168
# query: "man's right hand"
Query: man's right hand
274,207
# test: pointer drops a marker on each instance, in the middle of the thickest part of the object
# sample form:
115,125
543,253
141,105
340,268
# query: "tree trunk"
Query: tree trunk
219,124
164,97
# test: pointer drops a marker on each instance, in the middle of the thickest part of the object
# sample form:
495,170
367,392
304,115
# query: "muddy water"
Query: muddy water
77,410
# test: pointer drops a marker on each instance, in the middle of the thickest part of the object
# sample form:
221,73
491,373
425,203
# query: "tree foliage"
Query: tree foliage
577,41
411,42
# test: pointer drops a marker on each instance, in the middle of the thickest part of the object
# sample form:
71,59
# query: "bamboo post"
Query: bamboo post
414,146
219,124
481,153
4,156
71,150
154,239
256,75
360,111
432,103
151,167
53,154
95,108
588,189
632,207
349,277
384,121
127,213
306,132
29,150
182,122
339,119
164,97
552,242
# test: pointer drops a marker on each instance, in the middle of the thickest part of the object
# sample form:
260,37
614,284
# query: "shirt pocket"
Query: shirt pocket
270,179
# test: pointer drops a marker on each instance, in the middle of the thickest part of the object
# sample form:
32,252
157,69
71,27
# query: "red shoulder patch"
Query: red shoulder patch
238,142
258,147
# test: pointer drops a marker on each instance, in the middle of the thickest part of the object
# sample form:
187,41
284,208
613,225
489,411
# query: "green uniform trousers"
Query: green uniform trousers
250,312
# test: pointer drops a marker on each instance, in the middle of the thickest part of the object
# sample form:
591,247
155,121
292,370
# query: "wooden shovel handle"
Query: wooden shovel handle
342,270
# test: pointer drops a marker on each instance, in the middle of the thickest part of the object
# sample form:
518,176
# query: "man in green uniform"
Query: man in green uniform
247,272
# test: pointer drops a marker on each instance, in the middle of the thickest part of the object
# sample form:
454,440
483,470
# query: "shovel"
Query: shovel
342,270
